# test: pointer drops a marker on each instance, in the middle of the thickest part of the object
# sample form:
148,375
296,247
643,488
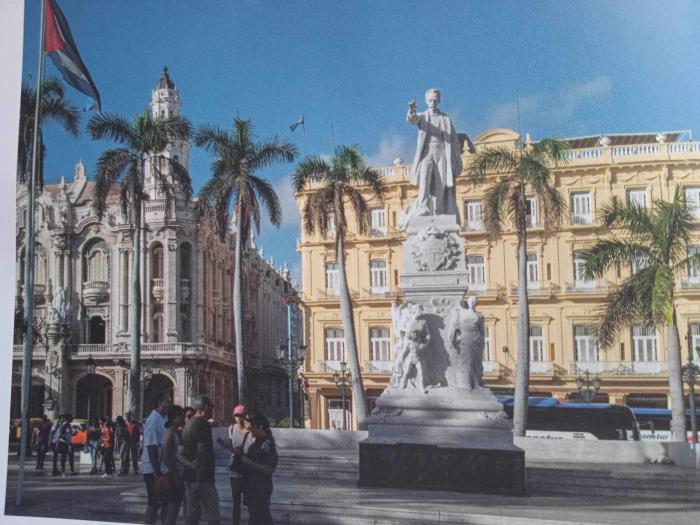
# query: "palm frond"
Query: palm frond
662,295
311,169
115,127
359,207
213,139
111,165
621,311
636,219
495,206
270,151
63,113
268,197
609,252
492,160
552,148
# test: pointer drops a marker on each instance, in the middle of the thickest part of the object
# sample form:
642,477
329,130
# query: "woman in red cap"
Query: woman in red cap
238,437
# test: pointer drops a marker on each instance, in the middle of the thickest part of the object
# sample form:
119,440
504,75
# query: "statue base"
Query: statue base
437,467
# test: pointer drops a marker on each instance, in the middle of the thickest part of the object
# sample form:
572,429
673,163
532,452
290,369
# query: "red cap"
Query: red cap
239,410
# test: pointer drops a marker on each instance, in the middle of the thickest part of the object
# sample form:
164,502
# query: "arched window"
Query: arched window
157,261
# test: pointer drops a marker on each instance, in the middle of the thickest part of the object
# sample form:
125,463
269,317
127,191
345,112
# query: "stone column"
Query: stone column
172,291
180,386
198,285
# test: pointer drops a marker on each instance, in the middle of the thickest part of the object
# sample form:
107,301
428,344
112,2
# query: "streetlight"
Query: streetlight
343,380
587,388
690,375
291,364
146,376
91,374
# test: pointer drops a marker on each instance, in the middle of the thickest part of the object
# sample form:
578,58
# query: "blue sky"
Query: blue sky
577,68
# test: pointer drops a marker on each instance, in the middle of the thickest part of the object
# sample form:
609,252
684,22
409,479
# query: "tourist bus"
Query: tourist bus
655,423
547,418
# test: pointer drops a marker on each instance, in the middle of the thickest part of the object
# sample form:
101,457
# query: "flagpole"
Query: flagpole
333,137
29,273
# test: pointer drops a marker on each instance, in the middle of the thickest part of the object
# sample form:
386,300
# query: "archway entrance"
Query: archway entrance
96,330
95,391
158,384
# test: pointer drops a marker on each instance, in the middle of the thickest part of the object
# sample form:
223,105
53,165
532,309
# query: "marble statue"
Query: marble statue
437,162
401,317
467,339
412,358
58,313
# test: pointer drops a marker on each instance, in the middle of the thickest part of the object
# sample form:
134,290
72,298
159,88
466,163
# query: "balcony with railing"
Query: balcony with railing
378,367
583,220
633,153
122,350
619,368
492,368
587,287
473,227
690,283
185,290
536,289
38,352
158,289
542,368
485,292
96,291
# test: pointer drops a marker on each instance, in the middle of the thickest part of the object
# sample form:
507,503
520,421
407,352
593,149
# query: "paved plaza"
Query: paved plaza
319,487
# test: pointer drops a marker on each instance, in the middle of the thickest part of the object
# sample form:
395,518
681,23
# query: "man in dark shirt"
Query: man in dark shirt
42,441
202,499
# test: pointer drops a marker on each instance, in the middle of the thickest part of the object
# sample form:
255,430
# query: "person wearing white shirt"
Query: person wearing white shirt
151,466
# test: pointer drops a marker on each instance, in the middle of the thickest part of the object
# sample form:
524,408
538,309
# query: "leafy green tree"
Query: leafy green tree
53,107
513,175
234,187
333,185
654,243
142,143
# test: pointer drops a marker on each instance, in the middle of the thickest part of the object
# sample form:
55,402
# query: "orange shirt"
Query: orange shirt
106,435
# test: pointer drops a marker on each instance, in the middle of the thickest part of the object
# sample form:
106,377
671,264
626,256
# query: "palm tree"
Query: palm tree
519,173
53,107
656,243
142,143
234,185
337,181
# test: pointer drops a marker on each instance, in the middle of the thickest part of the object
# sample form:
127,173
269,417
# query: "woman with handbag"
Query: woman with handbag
238,437
259,463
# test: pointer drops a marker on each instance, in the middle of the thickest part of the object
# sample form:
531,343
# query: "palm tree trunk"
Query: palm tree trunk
675,382
238,311
358,391
522,369
135,317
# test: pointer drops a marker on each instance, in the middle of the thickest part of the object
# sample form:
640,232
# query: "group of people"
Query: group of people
101,438
179,465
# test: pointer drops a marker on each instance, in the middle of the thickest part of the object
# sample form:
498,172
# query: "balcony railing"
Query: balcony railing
123,350
474,226
37,351
483,291
379,366
185,290
619,368
97,291
536,288
620,153
582,220
689,283
158,288
587,287
541,368
492,368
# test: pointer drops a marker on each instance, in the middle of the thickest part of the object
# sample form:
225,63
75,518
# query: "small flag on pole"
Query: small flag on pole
298,123
60,46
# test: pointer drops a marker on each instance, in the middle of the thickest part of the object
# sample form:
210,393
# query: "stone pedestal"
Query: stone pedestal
436,427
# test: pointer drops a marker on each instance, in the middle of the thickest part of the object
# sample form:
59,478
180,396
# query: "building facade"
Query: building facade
82,278
564,305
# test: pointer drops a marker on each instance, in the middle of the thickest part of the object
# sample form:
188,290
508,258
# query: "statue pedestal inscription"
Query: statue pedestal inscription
436,426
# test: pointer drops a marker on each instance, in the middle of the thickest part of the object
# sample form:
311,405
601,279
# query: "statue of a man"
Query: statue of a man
437,163
467,337
412,357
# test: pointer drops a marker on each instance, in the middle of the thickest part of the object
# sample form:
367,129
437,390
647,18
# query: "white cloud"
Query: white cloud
285,192
553,108
391,146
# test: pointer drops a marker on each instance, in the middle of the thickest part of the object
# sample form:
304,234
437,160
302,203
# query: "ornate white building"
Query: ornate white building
82,295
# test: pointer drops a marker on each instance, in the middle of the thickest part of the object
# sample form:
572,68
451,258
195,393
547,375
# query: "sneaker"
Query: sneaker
63,474
105,475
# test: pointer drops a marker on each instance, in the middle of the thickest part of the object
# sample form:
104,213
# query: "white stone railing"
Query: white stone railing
379,366
96,285
17,349
95,349
155,206
582,287
619,368
476,226
535,288
689,283
581,220
158,283
123,349
661,151
541,368
492,367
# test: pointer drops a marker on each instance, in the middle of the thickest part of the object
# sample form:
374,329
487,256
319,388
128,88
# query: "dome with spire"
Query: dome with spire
165,82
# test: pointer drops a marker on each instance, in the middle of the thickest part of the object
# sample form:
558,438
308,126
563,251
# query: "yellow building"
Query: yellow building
563,304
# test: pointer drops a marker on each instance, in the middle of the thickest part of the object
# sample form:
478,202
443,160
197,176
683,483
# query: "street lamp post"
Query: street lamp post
690,375
343,380
146,376
291,364
587,388
91,374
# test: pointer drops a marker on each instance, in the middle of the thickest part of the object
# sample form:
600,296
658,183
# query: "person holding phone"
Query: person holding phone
238,437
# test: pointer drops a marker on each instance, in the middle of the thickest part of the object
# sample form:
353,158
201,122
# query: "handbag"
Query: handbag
236,464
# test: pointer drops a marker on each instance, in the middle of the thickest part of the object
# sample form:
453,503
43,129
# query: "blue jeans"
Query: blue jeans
93,446
259,506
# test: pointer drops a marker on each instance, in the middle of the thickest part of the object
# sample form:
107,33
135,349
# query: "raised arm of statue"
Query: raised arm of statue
412,116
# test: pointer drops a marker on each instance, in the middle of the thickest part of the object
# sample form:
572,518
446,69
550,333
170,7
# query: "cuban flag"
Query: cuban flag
298,123
59,45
